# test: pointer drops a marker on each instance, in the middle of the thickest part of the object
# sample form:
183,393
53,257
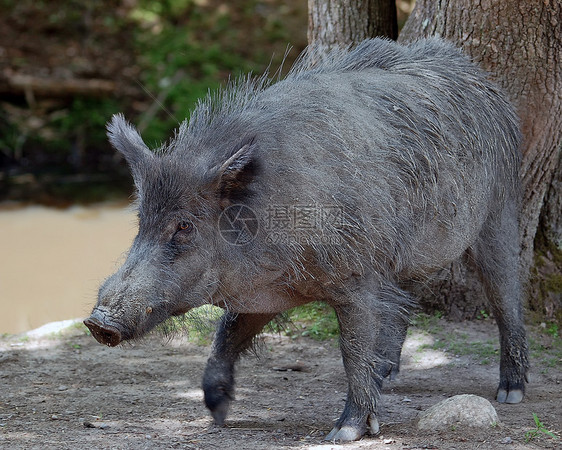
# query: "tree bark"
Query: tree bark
551,215
345,22
520,44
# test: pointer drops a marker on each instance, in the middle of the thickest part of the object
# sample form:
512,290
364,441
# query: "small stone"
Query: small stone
62,387
406,399
458,411
506,440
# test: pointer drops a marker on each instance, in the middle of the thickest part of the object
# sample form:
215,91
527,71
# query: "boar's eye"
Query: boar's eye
185,225
182,238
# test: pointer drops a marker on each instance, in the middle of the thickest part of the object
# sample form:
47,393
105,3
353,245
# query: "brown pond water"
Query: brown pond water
52,261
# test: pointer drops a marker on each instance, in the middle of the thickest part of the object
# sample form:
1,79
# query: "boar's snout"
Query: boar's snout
104,333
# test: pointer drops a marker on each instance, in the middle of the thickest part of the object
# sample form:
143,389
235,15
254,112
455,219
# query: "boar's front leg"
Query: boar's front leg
234,335
390,339
372,331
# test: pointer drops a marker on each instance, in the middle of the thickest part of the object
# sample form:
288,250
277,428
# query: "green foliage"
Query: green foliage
539,429
552,329
198,324
71,132
181,74
12,139
185,51
482,315
427,323
162,56
316,320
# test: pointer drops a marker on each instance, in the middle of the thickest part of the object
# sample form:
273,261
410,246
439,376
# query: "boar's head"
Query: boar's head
177,257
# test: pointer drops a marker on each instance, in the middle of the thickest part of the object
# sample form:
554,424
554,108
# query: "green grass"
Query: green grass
427,323
482,315
316,320
552,329
538,430
459,346
198,325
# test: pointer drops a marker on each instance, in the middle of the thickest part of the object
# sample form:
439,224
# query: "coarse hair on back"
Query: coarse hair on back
240,93
444,110
432,57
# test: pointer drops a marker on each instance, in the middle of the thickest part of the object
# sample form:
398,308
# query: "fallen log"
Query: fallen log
51,87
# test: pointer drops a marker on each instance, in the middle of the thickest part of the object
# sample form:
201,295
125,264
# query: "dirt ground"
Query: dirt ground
65,390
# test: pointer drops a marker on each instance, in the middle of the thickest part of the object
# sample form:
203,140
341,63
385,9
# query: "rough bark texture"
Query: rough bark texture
520,44
345,22
551,219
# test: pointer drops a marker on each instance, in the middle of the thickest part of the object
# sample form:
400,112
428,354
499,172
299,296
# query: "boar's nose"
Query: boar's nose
104,334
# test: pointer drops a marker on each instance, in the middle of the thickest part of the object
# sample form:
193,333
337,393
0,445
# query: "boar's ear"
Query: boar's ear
126,139
233,176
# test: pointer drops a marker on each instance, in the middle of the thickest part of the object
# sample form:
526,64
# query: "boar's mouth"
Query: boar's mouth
104,332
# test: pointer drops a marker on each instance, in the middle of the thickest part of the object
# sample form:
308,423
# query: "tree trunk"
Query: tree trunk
520,44
551,215
345,22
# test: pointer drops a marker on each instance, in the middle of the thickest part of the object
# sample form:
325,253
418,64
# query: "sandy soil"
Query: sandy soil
67,391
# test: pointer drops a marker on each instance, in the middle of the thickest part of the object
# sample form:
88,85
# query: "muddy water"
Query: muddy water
52,261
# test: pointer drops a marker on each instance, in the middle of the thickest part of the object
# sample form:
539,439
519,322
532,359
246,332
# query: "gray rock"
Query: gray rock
458,411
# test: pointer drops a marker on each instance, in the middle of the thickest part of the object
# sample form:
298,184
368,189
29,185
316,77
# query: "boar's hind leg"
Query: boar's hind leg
234,335
372,330
497,259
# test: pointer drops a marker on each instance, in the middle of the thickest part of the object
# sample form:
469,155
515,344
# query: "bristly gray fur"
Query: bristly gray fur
412,146
433,110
